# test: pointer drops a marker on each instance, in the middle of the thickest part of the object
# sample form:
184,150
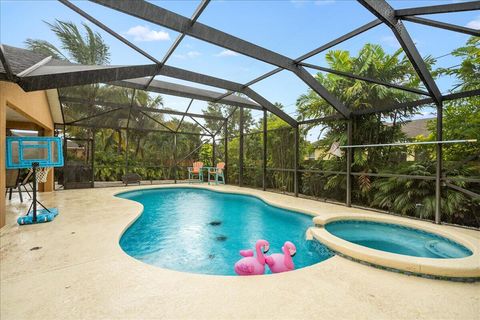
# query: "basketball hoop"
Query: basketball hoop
38,154
42,174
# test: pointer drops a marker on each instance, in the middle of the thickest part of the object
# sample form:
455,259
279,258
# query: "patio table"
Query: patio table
208,176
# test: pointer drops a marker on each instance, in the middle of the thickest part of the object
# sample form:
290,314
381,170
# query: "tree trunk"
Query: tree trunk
394,123
137,149
107,141
119,147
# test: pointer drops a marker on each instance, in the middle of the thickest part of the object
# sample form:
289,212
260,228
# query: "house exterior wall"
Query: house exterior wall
35,107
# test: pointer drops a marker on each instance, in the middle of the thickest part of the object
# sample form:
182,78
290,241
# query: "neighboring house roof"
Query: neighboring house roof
416,127
24,62
73,145
412,129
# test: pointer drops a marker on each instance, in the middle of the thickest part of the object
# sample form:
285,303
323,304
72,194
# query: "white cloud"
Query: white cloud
189,54
143,33
193,54
227,53
474,24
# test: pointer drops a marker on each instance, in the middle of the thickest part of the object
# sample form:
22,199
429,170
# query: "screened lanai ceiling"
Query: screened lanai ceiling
34,71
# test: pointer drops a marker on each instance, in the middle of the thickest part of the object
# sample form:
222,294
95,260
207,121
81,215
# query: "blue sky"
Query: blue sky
288,27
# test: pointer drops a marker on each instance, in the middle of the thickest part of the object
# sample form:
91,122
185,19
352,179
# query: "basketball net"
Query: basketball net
42,174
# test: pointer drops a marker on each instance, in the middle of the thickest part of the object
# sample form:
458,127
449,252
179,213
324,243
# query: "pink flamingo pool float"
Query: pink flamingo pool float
250,265
279,262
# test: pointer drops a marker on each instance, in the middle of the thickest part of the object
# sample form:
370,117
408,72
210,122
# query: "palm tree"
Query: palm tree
409,196
87,47
75,47
371,62
145,120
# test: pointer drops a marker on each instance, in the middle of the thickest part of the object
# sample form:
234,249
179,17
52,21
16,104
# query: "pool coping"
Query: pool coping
468,267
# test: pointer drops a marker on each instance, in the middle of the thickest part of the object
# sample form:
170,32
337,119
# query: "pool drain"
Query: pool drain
215,223
221,238
211,256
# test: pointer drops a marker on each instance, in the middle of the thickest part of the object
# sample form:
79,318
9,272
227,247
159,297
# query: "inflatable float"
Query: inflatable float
279,262
250,265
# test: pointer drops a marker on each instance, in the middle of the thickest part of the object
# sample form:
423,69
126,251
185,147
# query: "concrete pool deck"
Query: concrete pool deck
80,272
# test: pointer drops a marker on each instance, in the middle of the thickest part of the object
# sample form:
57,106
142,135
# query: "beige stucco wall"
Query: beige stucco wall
3,121
35,107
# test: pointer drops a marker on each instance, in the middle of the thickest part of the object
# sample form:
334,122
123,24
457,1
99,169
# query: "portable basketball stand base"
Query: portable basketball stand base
32,210
33,215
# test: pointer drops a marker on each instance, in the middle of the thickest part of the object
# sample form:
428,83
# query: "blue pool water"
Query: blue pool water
397,239
201,231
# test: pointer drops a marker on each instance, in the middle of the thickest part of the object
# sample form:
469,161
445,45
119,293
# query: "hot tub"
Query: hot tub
401,245
398,239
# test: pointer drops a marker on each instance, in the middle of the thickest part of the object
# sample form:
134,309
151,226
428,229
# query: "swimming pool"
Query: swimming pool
201,231
397,239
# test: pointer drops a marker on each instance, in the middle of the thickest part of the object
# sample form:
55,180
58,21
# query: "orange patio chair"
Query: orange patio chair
217,173
195,173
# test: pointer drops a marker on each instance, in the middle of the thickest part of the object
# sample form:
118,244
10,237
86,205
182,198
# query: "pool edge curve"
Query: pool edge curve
116,195
469,268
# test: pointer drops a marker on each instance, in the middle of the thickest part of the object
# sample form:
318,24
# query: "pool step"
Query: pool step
309,234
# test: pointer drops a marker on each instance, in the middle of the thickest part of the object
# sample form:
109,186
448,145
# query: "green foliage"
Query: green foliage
373,62
205,154
401,195
330,185
233,113
468,72
409,196
461,118
150,154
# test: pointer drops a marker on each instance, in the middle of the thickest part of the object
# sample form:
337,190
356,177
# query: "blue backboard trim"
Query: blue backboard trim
51,144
